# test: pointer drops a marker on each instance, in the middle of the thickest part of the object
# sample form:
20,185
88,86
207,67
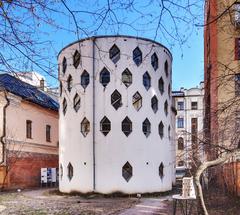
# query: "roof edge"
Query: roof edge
112,36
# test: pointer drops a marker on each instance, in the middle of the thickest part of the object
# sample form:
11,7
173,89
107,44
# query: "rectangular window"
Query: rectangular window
237,48
237,84
29,129
180,105
194,105
194,129
180,123
48,133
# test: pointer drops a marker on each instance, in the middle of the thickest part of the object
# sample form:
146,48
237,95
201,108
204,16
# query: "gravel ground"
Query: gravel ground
49,202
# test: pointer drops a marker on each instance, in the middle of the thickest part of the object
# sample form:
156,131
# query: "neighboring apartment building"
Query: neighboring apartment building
189,123
222,79
28,133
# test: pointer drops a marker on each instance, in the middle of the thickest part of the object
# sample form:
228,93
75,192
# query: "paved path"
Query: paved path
150,206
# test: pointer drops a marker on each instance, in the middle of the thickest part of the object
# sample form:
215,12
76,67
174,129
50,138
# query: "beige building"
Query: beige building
189,123
28,133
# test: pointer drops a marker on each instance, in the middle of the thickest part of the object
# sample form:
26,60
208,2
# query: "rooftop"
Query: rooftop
27,92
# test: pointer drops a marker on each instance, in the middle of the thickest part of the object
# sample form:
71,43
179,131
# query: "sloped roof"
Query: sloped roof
27,92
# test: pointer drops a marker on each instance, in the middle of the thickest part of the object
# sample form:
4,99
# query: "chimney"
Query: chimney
42,84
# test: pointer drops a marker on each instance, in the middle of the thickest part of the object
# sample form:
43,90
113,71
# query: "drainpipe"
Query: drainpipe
4,127
94,158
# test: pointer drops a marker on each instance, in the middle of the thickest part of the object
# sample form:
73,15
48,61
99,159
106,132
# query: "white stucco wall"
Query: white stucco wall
112,151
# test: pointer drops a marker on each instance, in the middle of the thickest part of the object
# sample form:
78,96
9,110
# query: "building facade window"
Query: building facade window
85,127
154,61
76,102
161,170
180,105
85,79
161,129
61,171
137,56
137,101
146,80
104,77
180,143
64,65
169,132
166,108
146,127
237,84
127,78
64,105
127,126
127,171
116,99
60,88
29,129
169,90
76,59
154,104
70,171
180,122
48,133
166,68
194,131
69,83
105,126
114,54
161,85
237,48
180,163
194,105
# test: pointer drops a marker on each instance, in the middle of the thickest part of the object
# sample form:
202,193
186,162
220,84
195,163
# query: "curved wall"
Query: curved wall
98,160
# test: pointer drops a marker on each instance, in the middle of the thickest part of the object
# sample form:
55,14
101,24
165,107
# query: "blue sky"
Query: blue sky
187,53
172,24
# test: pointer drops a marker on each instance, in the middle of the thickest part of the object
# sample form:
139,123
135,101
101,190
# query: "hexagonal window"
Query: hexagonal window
85,127
127,77
64,104
69,83
154,61
76,102
161,129
127,126
85,79
104,77
114,54
137,56
70,171
105,126
169,132
137,101
154,104
116,99
76,59
146,80
60,88
161,170
61,172
161,85
127,171
146,127
166,68
166,107
64,65
169,90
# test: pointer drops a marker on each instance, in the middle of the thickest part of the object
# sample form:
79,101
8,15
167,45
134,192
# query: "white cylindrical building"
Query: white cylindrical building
116,132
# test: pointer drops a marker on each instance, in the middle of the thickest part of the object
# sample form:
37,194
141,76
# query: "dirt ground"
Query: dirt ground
48,202
51,202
